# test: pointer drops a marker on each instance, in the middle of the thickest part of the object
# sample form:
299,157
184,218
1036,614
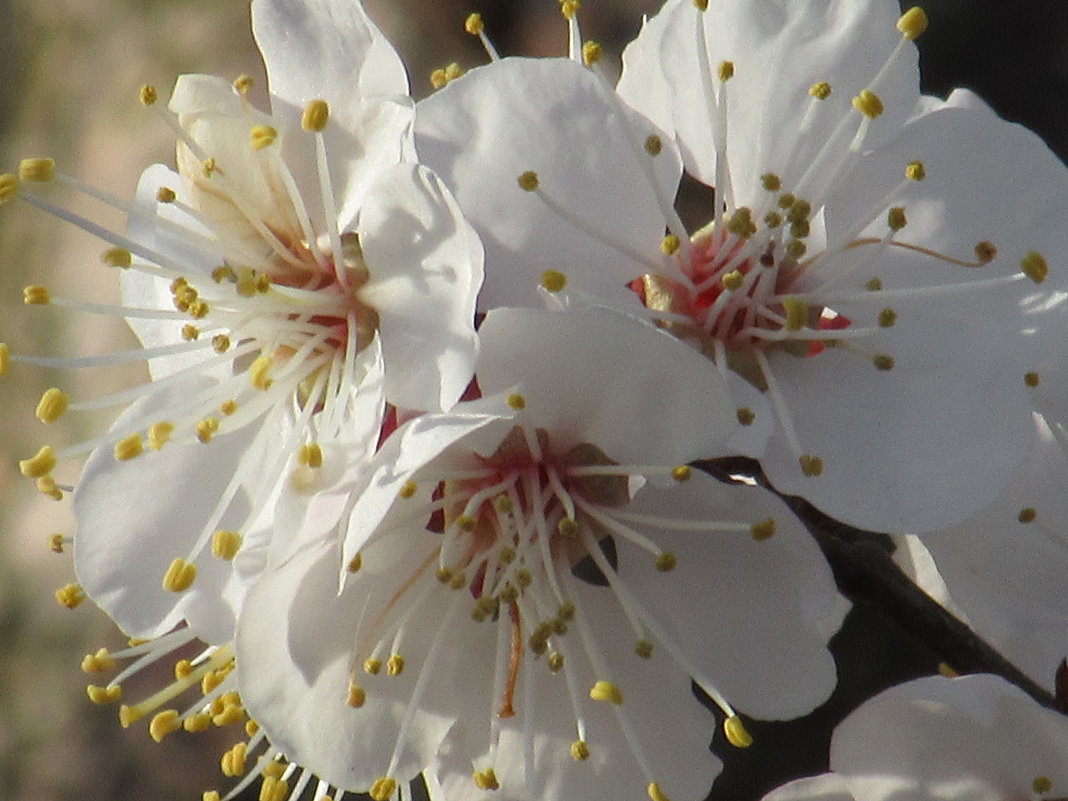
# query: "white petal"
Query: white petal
560,120
425,263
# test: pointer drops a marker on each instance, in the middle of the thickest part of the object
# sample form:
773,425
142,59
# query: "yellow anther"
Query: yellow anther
516,401
655,793
591,53
453,71
37,170
795,249
199,722
179,576
36,296
163,723
261,136
225,544
356,696
700,5
771,182
128,448
315,116
666,561
912,23
190,333
669,245
883,361
553,281
166,195
725,70
41,464
746,416
57,544
1027,515
233,761
681,473
5,358
104,695
503,504
873,285
251,727
70,596
273,769
310,454
210,795
443,574
46,485
820,91
644,649
274,789
763,530
741,223
896,219
220,343
1041,784
985,252
486,779
52,404
257,372
466,523
9,186
579,751
243,83
887,317
555,662
1034,266
198,309
1031,379
355,563
606,691
653,145
208,167
231,713
148,95
382,788
796,313
182,668
117,257
799,211
569,8
810,465
733,280
159,434
868,104
458,581
227,407
372,666
473,24
528,181
99,662
736,733
914,171
394,665
438,79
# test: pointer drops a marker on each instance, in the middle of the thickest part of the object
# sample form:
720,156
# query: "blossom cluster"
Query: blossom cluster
463,456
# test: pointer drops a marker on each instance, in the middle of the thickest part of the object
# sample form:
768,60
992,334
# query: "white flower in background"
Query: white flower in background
529,582
298,272
850,212
1003,571
975,738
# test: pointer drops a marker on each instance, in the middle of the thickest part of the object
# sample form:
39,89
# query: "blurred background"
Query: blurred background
69,78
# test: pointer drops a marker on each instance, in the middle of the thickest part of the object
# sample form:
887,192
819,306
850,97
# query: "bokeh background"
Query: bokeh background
69,75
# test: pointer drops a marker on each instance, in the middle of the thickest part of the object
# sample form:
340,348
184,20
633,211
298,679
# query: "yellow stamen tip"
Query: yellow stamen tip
591,53
355,563
356,696
70,596
653,145
486,779
569,8
159,434
148,95
915,171
746,416
669,245
820,91
243,83
117,257
1031,379
883,362
553,281
310,454
225,544
666,561
315,116
700,5
580,751
9,186
725,70
763,530
736,732
104,695
52,405
986,252
733,280
46,485
382,788
1027,514
41,464
528,181
771,182
516,401
810,465
868,104
395,665
37,170
261,136
128,448
163,723
257,372
36,296
165,195
896,219
179,576
1034,266
681,473
372,666
1041,784
606,691
912,23
655,793
473,24
5,358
